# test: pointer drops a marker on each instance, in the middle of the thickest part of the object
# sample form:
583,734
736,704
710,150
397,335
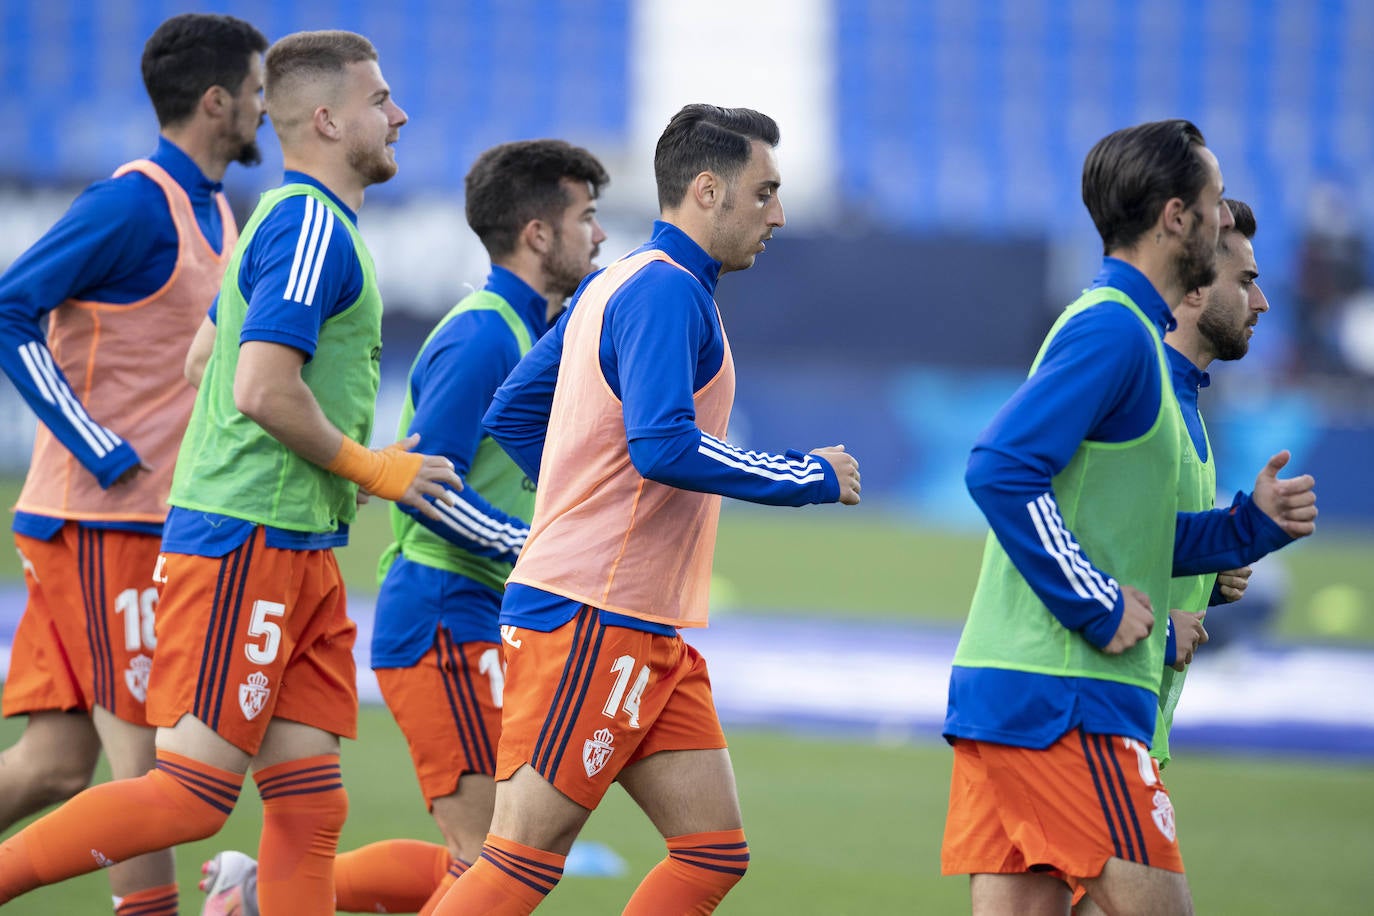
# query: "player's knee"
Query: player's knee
716,860
61,782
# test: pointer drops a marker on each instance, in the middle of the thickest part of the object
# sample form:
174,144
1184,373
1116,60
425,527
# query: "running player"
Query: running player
435,645
255,662
1054,689
123,278
624,406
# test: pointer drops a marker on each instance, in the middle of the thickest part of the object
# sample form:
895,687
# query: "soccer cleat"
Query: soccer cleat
230,884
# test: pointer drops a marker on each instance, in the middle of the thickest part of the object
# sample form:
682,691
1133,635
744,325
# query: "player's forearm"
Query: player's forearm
1222,539
29,364
198,356
1029,527
286,409
694,460
475,525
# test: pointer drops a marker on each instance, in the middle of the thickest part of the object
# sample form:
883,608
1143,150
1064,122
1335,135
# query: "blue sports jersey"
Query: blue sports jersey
295,275
661,342
451,384
1099,380
116,244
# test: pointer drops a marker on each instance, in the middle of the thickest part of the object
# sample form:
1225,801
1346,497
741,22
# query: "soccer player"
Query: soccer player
255,662
1054,689
123,279
1212,322
436,641
624,407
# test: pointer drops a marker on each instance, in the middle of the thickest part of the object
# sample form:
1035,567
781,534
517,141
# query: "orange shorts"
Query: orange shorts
86,638
1064,810
448,706
587,700
257,634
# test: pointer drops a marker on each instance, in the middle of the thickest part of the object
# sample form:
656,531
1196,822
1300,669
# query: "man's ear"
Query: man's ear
1173,218
1194,299
537,236
216,101
707,190
325,124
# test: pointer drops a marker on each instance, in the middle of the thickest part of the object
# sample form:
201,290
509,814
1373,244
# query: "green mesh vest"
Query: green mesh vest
228,464
1197,490
1118,500
492,474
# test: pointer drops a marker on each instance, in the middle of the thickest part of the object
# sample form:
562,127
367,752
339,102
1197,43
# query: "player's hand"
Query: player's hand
1137,620
131,474
1291,503
846,469
1189,633
436,478
1232,583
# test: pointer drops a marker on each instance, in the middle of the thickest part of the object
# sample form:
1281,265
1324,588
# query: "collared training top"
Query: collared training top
116,244
298,270
660,343
1099,380
451,384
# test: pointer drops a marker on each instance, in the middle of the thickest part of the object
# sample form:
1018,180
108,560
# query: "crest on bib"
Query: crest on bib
253,695
597,750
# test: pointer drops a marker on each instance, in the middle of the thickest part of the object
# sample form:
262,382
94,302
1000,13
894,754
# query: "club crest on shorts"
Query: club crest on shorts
136,676
597,750
253,695
1163,815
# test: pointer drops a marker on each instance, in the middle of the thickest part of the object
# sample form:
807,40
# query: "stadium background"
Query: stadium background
931,154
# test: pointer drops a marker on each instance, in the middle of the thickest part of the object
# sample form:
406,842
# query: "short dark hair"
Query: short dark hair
706,138
513,183
1132,173
1244,217
188,54
304,54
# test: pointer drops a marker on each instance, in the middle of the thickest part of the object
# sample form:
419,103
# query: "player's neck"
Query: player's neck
200,148
1189,342
1158,262
341,180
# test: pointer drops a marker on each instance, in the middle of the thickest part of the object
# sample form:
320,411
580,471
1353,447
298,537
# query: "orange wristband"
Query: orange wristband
386,472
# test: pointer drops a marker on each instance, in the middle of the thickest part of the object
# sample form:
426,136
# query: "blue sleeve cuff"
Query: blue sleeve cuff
1101,630
116,463
1259,529
830,489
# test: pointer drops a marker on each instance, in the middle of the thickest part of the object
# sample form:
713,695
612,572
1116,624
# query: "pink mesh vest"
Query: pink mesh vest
125,363
602,534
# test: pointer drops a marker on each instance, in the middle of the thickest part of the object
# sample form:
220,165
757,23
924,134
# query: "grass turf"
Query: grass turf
853,829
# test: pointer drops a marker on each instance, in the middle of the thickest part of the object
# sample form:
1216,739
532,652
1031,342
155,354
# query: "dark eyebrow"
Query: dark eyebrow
770,185
380,95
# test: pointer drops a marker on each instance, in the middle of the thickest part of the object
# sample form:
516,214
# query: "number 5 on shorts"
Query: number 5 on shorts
259,627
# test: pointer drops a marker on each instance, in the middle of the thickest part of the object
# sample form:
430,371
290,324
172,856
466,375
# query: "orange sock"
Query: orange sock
699,871
303,809
152,901
455,871
179,801
393,876
506,880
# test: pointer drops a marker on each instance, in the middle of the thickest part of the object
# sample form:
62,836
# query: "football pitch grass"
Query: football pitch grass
845,828
851,827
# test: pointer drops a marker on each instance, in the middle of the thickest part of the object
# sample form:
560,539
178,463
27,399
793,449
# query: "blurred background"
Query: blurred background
931,159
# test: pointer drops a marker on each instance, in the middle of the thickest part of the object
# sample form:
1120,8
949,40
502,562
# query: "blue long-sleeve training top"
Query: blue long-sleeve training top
287,244
661,342
1099,380
116,244
451,384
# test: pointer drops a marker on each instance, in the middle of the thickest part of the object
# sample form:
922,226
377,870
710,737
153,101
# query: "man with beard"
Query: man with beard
1054,689
255,664
123,279
436,641
1213,322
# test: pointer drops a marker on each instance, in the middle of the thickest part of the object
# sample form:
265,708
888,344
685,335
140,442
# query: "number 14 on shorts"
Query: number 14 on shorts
622,667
